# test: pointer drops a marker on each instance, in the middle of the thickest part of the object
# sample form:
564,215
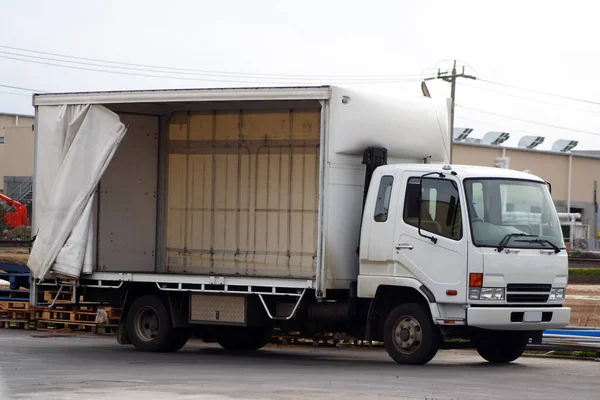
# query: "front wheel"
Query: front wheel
410,336
501,347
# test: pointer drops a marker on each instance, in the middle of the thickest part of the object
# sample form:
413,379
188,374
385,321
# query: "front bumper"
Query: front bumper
518,318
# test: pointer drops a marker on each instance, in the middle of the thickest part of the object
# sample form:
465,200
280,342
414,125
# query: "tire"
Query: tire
410,336
149,325
244,339
501,347
178,339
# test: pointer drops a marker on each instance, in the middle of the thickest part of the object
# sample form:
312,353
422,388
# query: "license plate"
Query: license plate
532,316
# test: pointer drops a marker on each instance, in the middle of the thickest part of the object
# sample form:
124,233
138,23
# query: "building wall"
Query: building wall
471,155
16,153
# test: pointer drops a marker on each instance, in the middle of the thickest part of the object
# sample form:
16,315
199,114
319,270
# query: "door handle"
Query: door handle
401,246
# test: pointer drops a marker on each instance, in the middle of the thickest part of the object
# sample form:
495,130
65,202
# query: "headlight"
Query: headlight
557,294
486,293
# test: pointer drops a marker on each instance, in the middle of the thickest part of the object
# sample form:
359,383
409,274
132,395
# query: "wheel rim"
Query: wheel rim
147,324
408,334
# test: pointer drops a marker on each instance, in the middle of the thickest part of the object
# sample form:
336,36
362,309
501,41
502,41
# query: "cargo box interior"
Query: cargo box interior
227,189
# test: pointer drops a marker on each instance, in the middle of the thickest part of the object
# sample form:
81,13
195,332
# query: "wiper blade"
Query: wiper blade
506,238
546,241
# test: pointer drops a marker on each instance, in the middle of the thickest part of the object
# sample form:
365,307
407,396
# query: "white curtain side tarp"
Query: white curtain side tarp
74,146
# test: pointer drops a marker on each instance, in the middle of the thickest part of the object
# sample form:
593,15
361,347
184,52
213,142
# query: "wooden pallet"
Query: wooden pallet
15,314
91,317
62,296
14,305
63,315
72,316
16,324
53,325
82,309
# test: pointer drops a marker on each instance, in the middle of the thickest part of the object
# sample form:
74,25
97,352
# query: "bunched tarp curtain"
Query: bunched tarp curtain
74,146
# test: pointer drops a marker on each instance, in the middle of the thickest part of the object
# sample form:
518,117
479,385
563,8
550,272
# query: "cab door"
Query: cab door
436,254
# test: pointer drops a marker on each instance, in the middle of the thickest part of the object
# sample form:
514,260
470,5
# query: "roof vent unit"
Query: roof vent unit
531,142
495,138
460,134
564,145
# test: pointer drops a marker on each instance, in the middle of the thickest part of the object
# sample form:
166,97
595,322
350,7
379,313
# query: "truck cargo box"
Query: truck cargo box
261,182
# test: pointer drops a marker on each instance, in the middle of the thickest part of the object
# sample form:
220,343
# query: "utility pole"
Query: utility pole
451,77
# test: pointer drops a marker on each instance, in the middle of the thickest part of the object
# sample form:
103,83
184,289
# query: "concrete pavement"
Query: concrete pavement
36,365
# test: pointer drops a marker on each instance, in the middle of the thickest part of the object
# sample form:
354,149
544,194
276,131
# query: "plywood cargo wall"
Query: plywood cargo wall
242,190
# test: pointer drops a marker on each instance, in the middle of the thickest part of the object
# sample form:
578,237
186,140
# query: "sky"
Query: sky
545,47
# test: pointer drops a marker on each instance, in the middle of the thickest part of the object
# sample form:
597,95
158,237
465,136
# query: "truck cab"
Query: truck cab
482,247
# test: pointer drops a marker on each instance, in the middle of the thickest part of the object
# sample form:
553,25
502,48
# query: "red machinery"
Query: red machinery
15,218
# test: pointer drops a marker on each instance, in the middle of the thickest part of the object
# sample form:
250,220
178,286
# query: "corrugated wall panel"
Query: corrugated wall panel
250,183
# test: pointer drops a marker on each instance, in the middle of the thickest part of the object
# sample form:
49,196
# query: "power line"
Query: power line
93,64
529,121
15,94
538,92
22,88
184,78
204,72
530,99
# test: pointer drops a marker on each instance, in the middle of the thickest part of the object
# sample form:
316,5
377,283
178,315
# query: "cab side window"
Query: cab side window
382,206
440,207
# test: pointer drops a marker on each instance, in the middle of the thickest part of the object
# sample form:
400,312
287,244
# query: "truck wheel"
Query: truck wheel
244,339
410,336
149,325
178,339
501,346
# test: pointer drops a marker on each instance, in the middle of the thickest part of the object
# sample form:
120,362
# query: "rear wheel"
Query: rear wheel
501,346
244,339
410,336
149,326
178,339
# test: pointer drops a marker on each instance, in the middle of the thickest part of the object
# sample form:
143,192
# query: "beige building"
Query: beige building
16,150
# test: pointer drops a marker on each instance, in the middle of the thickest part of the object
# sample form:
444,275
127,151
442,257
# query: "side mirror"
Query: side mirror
420,203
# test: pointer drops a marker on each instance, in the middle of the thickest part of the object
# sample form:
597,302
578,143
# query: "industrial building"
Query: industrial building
16,157
573,175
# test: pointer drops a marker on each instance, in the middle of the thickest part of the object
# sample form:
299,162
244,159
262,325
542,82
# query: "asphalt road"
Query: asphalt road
35,365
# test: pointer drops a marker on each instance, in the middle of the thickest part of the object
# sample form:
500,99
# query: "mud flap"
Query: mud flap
122,336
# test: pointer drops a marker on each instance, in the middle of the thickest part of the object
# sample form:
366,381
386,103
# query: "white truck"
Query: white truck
231,214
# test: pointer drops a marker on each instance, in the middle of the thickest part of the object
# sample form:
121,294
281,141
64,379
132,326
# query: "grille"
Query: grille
528,287
527,292
526,298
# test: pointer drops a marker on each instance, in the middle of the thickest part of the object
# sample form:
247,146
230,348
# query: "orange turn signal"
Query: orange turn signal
475,280
451,292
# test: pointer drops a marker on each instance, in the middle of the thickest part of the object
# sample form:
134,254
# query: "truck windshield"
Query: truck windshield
512,213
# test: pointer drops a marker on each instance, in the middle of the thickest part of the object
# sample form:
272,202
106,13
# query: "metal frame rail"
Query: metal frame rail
190,283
